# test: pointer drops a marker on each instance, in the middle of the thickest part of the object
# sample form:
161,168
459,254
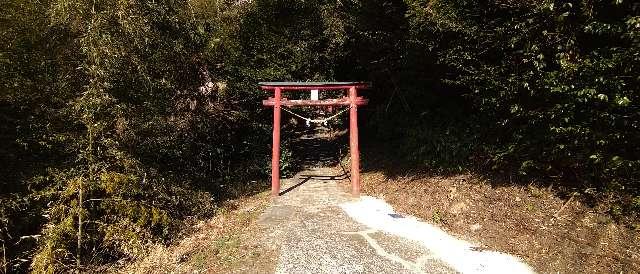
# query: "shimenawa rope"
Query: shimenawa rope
315,121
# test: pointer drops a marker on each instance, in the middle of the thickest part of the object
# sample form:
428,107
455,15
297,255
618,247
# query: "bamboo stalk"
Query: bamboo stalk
4,258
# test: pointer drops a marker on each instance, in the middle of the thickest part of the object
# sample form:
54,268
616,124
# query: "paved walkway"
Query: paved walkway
315,235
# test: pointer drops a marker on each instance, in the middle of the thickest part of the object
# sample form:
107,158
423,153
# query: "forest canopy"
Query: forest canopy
119,120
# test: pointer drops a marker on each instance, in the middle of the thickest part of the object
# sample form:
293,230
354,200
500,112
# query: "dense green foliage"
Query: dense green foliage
556,83
127,121
121,119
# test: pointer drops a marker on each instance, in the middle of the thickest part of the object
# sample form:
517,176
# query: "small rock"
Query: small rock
475,227
517,199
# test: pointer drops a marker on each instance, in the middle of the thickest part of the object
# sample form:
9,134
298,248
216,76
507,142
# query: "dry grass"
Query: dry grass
226,243
553,235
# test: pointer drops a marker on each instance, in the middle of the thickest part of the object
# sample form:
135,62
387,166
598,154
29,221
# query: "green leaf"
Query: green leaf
623,101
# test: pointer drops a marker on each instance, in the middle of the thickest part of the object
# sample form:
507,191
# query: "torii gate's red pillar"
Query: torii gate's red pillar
353,142
275,155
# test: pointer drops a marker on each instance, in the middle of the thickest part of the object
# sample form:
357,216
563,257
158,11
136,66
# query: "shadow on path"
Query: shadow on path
306,177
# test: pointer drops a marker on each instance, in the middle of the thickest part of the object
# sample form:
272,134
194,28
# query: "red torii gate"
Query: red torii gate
352,100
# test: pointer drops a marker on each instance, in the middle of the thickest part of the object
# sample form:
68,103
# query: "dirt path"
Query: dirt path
316,236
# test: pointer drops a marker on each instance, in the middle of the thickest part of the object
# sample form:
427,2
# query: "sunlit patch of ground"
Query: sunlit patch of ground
458,254
532,222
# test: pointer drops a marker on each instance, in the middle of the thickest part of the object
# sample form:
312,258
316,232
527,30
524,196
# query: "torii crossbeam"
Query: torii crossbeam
351,99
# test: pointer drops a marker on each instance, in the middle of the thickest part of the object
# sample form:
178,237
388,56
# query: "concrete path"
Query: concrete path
315,235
